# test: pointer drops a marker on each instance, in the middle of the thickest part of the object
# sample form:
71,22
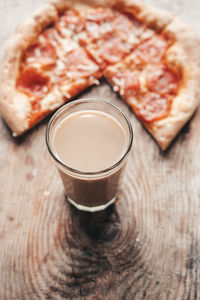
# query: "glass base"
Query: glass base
91,209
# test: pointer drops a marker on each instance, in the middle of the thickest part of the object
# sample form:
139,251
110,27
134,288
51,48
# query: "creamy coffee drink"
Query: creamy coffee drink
90,143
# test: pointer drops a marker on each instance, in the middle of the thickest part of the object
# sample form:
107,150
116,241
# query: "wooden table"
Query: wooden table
147,246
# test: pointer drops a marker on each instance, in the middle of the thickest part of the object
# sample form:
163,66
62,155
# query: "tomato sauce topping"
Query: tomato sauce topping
37,116
43,54
154,107
33,82
152,50
160,79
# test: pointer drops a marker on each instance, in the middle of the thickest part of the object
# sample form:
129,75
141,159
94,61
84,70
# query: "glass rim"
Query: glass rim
88,173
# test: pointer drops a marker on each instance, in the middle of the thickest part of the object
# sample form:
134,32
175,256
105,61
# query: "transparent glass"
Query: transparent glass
90,191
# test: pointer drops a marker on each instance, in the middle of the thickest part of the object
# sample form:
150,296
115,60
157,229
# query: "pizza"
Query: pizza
150,58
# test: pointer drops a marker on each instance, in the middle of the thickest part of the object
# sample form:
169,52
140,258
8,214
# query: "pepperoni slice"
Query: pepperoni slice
70,21
98,24
152,50
113,50
131,85
161,79
126,28
33,82
44,54
154,107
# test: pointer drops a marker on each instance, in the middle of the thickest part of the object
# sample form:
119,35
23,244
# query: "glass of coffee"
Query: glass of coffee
89,141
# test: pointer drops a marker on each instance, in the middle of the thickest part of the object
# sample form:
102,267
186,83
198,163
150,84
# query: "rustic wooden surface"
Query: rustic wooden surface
145,247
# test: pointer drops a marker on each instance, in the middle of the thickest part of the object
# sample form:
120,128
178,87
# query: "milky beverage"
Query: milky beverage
90,141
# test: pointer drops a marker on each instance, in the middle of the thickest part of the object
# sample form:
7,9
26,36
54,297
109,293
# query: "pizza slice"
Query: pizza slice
45,72
159,81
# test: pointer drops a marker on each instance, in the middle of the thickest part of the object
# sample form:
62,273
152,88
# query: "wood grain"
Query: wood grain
146,246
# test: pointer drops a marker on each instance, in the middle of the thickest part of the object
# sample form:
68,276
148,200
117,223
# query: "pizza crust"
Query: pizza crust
152,17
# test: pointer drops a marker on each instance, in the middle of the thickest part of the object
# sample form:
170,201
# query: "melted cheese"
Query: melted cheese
53,100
